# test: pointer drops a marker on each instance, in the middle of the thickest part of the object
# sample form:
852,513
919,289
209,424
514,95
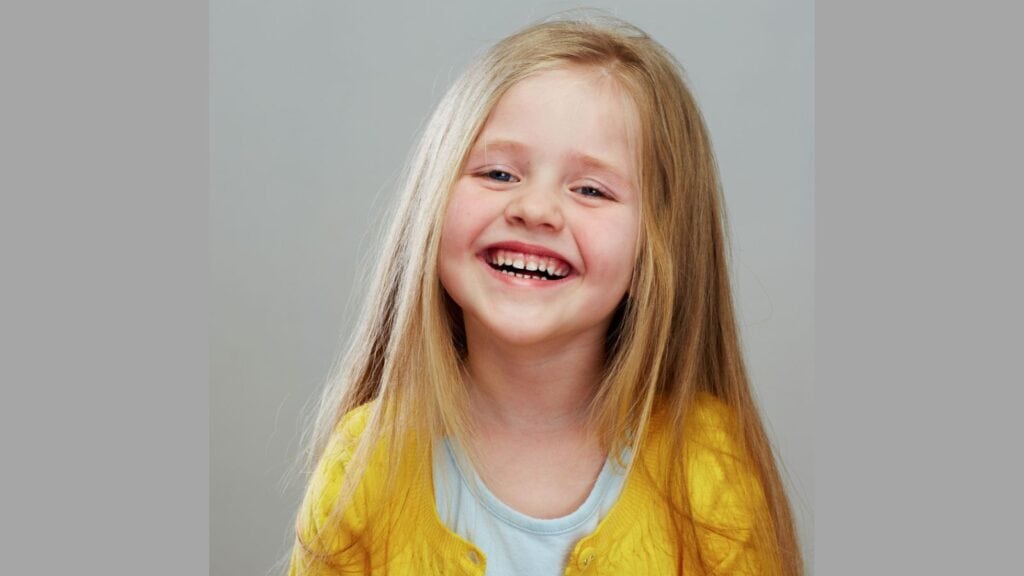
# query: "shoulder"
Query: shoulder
318,528
709,429
712,426
341,446
720,475
346,435
724,489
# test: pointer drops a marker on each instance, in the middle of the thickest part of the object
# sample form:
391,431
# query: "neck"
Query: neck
532,389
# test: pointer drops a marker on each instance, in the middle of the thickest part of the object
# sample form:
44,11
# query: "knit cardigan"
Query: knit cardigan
398,531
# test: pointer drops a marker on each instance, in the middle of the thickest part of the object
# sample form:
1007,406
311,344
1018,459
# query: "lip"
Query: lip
526,249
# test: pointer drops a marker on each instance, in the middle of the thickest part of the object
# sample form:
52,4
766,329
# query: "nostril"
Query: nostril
529,210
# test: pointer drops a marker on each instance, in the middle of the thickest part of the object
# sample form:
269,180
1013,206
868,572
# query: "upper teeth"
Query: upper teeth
530,262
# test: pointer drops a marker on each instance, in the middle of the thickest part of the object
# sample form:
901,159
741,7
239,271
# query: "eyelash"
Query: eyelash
599,193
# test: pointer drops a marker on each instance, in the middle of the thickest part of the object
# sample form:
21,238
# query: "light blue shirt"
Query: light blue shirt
514,543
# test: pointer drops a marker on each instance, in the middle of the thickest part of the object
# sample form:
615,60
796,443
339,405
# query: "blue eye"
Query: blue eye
591,192
499,175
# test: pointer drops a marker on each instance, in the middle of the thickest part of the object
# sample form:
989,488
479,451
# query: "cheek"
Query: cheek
462,225
611,252
468,214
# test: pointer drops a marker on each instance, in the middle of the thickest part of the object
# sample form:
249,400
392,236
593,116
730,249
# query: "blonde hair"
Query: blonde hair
675,335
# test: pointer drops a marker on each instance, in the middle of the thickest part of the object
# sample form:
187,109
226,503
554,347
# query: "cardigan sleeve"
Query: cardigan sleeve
732,522
323,545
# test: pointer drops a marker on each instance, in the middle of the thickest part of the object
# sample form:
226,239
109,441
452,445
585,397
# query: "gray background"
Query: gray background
314,107
105,294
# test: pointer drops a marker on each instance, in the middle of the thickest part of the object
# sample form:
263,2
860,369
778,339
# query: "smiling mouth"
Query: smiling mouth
527,266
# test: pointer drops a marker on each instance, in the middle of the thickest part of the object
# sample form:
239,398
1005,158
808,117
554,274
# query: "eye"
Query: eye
499,175
591,192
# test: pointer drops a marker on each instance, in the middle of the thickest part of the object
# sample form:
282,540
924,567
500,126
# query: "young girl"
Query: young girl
548,378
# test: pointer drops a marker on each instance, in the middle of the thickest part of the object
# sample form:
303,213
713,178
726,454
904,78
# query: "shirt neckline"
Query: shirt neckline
524,522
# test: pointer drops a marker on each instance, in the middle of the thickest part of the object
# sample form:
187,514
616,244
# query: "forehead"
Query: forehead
574,113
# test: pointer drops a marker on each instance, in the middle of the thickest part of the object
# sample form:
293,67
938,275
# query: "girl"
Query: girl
548,377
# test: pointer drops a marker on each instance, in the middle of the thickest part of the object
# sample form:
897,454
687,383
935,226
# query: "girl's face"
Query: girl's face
540,234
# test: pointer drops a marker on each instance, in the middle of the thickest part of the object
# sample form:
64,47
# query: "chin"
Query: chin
528,337
528,333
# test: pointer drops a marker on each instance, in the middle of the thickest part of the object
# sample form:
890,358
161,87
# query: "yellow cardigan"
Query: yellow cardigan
398,531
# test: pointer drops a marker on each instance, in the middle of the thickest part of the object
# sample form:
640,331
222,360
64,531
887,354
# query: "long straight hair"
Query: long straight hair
674,337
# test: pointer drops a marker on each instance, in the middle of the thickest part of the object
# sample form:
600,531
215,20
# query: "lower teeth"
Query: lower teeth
528,276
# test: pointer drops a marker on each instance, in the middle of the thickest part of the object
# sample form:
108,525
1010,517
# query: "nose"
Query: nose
536,205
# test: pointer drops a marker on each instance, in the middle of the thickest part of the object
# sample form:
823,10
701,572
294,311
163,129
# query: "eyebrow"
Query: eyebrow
585,160
511,146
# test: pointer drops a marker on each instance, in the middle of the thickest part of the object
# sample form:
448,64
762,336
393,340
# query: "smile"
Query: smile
524,265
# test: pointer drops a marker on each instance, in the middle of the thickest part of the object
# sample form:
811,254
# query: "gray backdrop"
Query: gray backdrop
313,109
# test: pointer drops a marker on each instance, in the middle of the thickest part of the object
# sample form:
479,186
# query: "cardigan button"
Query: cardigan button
473,556
586,558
